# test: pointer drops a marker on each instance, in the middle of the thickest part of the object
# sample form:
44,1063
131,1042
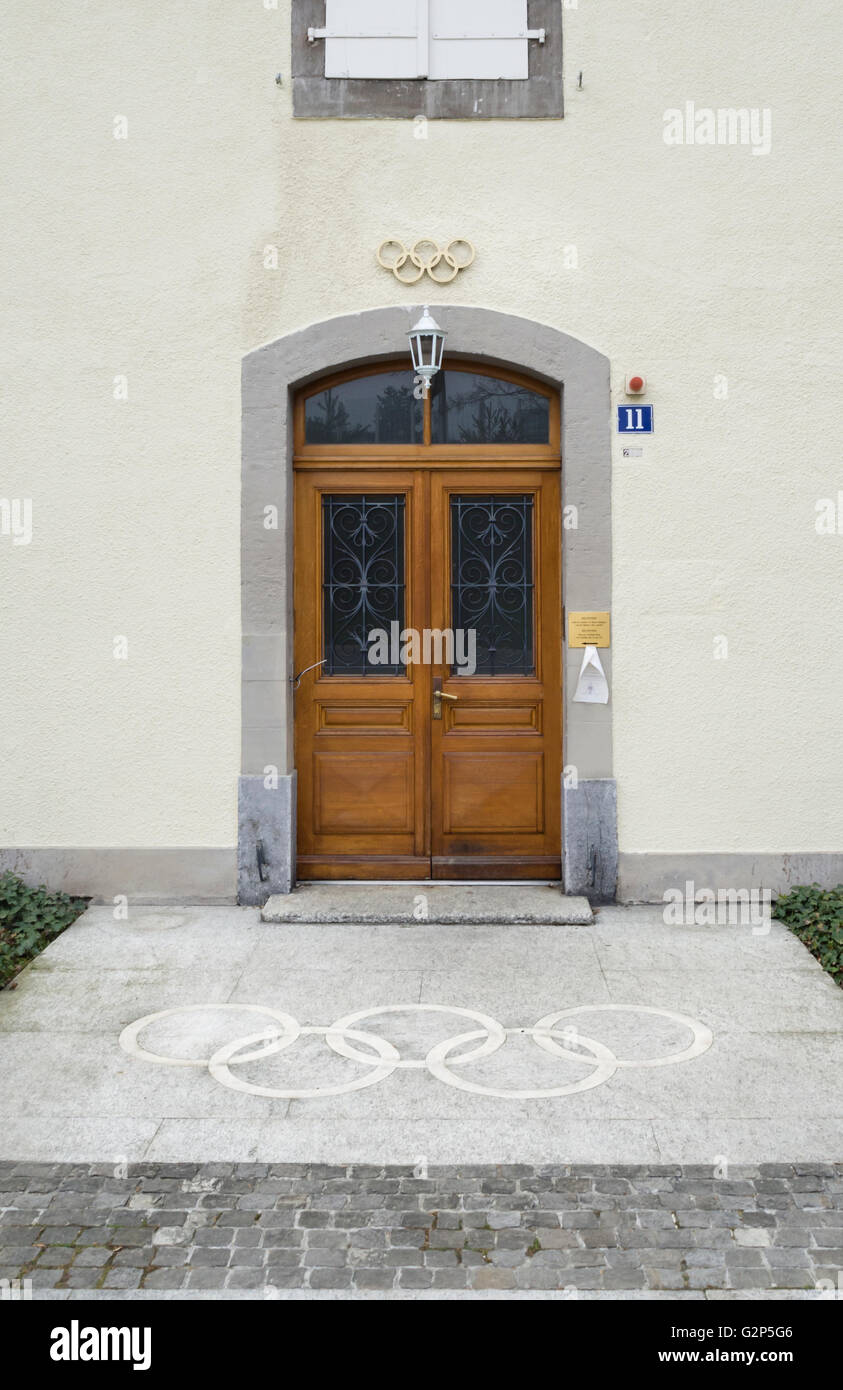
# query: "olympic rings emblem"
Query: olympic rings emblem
346,1039
442,264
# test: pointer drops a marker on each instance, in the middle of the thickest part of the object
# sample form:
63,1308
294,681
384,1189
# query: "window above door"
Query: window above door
471,411
447,59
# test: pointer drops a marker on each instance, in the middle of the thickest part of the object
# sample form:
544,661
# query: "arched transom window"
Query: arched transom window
469,407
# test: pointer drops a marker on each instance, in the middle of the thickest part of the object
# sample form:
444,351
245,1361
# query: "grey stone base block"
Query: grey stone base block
266,839
150,874
645,878
382,904
590,849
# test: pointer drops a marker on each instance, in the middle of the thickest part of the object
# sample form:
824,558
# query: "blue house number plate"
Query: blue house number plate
635,419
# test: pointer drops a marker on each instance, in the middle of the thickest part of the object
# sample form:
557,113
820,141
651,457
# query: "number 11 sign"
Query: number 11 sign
635,419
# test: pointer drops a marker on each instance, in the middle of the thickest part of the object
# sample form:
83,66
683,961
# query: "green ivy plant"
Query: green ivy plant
30,918
815,915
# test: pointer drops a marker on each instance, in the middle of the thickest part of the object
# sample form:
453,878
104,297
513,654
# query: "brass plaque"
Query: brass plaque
589,630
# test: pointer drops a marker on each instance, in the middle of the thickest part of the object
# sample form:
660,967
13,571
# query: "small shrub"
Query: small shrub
815,915
30,918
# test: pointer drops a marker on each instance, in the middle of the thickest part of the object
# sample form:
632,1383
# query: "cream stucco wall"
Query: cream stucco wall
146,257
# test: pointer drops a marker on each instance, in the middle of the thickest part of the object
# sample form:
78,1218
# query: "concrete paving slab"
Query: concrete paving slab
496,951
442,904
434,1139
638,938
741,1139
317,995
80,1001
360,1035
73,1138
89,1075
580,981
723,1085
153,937
739,1076
749,1000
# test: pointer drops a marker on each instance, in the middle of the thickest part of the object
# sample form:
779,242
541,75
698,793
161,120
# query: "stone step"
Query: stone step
388,904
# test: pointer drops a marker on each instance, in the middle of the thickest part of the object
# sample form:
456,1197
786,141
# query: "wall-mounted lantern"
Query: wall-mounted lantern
427,344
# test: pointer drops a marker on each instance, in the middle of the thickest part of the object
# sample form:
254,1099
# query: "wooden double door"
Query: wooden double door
429,736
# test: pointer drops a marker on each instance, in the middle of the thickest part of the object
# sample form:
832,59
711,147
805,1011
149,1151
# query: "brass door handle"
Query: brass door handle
438,696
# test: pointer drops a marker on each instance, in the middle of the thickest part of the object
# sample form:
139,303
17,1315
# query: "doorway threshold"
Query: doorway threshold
436,882
433,904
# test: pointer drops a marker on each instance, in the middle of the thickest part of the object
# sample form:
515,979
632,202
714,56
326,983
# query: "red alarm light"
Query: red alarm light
636,385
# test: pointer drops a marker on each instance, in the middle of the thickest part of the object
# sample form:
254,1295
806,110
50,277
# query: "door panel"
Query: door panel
361,749
371,718
362,793
387,788
496,753
485,792
495,719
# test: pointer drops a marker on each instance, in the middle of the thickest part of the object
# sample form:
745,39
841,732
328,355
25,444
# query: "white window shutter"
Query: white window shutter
485,40
462,42
389,38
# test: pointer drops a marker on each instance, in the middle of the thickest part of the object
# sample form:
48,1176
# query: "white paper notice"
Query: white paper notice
592,686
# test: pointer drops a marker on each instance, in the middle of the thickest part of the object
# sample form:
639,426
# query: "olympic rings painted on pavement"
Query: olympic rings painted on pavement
702,1036
605,1059
490,1038
129,1036
496,1034
219,1067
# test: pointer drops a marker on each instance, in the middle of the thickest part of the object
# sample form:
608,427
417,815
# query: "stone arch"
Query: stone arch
271,376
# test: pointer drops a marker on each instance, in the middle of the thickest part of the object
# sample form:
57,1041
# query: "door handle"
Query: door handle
296,681
438,696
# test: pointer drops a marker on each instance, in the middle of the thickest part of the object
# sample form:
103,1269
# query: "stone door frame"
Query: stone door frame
271,377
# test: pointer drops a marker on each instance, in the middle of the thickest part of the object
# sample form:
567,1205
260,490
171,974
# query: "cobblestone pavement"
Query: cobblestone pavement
264,1226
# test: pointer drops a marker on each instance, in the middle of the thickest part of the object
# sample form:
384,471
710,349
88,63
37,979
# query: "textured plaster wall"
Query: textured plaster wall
146,257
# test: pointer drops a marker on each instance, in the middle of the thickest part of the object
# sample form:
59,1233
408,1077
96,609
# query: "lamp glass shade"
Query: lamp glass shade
427,345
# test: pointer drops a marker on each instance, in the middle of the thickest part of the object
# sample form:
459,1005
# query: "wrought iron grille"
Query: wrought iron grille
363,579
492,580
